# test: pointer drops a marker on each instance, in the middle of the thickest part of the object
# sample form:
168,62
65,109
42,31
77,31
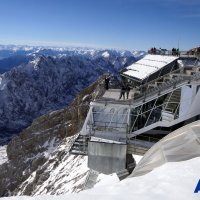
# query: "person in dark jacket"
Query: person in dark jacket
154,50
107,80
127,91
173,52
122,93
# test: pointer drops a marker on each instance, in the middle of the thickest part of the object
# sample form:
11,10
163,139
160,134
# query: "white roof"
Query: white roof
148,65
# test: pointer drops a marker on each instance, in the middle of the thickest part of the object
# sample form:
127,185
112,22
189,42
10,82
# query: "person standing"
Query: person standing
107,80
172,51
127,91
122,93
154,50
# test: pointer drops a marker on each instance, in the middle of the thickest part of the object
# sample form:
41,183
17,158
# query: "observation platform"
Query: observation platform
114,94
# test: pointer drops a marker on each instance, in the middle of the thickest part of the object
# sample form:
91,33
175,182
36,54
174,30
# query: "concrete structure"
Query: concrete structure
106,158
168,99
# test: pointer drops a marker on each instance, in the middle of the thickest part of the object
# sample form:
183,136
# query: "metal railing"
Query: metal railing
166,85
141,143
107,126
145,138
170,53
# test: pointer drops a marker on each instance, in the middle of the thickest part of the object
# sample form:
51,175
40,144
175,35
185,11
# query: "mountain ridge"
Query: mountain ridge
49,83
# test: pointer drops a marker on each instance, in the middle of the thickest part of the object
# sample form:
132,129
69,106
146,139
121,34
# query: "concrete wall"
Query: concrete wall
106,158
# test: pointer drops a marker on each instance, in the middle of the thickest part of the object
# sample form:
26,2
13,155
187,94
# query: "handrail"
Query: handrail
147,137
109,123
167,85
169,53
160,77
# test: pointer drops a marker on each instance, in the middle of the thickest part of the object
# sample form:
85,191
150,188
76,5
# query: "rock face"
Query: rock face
46,84
39,160
8,63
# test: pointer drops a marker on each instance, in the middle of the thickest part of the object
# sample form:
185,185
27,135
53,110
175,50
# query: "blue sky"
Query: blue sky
123,24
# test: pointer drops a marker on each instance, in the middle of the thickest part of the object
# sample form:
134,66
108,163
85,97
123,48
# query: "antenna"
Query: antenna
178,40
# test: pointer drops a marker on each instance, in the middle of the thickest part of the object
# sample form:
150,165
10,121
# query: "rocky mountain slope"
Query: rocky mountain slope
8,63
39,160
46,84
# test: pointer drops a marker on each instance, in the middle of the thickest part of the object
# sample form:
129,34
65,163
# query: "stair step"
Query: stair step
79,148
78,153
80,145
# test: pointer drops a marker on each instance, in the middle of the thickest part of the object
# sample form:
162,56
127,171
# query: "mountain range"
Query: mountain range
42,80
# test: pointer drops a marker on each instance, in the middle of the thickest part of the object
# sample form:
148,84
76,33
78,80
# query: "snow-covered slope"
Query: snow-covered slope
172,181
61,173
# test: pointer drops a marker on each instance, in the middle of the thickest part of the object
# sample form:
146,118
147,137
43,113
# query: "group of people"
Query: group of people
153,50
124,89
175,52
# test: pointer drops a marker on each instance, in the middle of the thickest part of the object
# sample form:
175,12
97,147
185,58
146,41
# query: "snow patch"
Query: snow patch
3,154
172,181
105,54
148,65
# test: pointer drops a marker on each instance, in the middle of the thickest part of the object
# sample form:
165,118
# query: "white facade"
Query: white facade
107,120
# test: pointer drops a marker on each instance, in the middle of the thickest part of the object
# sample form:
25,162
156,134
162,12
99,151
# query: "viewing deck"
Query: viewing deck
115,94
186,71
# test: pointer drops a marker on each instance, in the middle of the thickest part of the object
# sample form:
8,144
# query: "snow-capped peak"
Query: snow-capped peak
105,54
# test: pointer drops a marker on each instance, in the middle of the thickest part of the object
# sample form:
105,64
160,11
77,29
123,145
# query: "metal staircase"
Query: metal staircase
80,146
172,100
171,83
